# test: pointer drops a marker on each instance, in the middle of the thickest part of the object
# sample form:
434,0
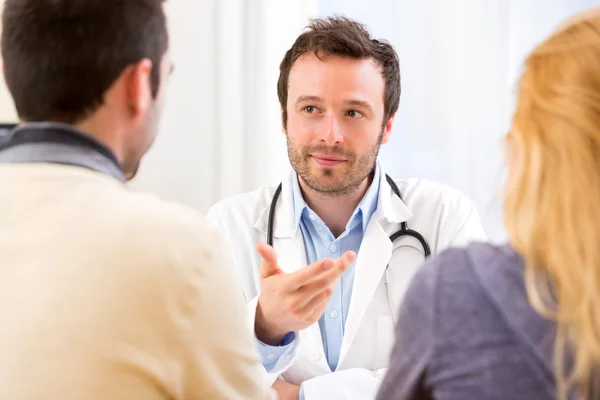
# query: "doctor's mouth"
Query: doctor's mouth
327,160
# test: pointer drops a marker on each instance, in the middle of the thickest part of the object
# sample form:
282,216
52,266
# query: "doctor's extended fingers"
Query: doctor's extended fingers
269,265
313,309
324,282
320,272
301,277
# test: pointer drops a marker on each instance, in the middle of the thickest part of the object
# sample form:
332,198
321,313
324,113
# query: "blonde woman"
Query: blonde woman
522,321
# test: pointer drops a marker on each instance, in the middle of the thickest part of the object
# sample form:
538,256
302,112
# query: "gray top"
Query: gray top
57,143
467,331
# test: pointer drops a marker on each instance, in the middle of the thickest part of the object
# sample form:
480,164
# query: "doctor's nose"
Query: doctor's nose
331,133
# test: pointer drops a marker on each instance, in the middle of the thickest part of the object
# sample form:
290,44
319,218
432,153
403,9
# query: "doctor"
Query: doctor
327,337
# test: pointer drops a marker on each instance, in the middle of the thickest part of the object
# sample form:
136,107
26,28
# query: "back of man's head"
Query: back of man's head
62,56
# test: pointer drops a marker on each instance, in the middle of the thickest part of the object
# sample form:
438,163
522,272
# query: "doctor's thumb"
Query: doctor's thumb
269,265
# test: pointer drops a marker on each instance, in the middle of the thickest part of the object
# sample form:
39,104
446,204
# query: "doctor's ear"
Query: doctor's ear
387,129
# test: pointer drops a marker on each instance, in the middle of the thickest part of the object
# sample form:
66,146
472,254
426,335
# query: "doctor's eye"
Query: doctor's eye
310,109
354,114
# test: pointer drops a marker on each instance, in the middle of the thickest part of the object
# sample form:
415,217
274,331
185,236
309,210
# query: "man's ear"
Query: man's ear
138,88
387,129
283,120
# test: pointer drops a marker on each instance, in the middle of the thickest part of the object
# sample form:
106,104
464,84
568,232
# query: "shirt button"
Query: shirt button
312,217
270,356
332,248
314,355
333,314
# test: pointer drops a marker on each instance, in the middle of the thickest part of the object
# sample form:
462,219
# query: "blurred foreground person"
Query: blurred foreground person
522,321
104,293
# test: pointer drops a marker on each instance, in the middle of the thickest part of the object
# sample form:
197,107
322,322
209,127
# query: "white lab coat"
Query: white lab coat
441,214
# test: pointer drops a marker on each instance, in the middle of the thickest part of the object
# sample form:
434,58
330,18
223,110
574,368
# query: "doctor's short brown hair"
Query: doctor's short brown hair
61,56
344,37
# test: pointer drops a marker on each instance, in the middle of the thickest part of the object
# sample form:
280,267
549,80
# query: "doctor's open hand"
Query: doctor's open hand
292,302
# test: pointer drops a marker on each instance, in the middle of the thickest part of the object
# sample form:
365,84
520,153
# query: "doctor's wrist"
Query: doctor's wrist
265,333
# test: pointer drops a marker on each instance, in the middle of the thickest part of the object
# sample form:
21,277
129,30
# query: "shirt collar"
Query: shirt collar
365,209
51,142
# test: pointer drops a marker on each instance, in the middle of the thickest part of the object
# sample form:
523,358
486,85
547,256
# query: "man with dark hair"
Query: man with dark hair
339,91
104,293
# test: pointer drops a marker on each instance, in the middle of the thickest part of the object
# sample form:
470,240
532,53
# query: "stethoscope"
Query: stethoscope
404,231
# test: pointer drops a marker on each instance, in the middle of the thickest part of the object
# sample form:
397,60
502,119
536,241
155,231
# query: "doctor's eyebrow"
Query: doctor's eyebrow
352,102
359,103
305,99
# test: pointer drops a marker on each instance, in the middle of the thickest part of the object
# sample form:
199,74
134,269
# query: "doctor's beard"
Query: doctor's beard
339,180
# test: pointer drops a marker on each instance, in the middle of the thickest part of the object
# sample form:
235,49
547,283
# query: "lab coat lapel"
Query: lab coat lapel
284,211
291,255
373,257
287,237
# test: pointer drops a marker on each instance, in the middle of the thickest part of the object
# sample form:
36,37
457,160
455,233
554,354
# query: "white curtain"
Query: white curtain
460,62
221,130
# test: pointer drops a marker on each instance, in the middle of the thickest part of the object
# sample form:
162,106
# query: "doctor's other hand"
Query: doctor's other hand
286,391
292,302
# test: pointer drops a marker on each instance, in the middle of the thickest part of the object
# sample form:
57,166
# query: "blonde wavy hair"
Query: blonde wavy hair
552,200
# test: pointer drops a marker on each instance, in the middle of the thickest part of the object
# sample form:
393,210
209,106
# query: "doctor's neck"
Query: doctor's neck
335,209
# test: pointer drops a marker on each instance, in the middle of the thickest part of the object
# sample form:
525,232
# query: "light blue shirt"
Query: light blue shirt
320,243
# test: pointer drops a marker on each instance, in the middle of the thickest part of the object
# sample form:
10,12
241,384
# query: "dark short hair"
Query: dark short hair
61,56
341,36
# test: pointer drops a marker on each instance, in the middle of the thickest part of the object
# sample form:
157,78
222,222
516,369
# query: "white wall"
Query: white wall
179,165
7,109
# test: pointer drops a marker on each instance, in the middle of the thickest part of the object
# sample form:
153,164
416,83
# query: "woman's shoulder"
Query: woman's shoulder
469,279
476,295
475,262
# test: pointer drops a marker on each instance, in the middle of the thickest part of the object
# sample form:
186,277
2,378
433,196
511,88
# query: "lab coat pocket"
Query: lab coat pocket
385,341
